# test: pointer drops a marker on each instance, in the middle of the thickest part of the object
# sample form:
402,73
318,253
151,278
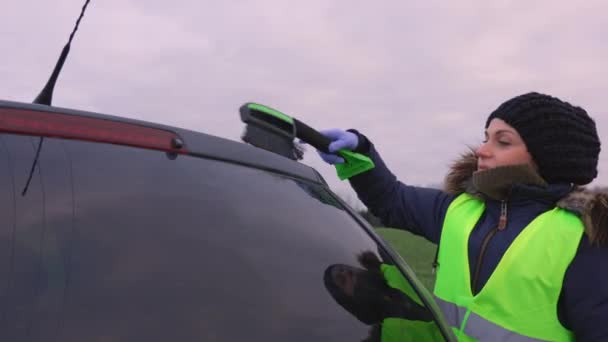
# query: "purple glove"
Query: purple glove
340,140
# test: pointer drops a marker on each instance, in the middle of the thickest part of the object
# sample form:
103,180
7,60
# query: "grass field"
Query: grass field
415,250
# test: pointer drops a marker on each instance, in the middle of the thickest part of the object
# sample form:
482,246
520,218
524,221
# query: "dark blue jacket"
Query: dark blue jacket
583,304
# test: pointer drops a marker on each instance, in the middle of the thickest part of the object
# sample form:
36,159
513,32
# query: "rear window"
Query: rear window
185,248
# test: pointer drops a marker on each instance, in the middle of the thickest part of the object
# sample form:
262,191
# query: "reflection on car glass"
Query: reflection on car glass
378,295
319,193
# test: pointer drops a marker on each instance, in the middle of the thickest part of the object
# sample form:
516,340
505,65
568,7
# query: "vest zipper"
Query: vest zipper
502,224
502,221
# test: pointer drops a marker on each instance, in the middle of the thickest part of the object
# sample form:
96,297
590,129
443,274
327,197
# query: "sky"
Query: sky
418,78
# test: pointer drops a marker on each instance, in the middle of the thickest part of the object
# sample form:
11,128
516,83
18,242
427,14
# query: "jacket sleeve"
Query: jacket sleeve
416,209
584,298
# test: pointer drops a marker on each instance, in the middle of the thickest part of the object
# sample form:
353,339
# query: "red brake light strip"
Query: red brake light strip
51,124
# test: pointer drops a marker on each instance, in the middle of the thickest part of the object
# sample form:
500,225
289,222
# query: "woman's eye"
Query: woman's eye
504,143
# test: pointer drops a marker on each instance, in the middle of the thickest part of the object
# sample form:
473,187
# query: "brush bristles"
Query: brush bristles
273,142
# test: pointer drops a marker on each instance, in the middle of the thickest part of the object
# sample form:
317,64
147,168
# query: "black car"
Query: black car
120,230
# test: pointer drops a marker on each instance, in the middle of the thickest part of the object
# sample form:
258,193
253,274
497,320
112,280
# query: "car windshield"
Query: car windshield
187,248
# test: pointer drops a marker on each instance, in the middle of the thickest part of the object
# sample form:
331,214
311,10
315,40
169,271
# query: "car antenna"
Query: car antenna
46,95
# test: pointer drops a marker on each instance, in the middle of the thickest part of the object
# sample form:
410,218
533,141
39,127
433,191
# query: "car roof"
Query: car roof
199,144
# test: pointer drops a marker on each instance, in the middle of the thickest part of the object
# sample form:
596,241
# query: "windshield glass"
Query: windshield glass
161,248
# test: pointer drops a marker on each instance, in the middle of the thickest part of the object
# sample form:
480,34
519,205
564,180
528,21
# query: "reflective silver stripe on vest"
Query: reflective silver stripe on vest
477,327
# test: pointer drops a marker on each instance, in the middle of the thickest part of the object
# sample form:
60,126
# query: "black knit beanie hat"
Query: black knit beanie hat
561,138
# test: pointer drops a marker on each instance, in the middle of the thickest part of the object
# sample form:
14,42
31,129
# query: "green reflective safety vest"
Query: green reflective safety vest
399,329
519,300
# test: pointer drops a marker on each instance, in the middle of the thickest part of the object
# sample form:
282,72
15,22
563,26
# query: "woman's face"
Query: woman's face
502,146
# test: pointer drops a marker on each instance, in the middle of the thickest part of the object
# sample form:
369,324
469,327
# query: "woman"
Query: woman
523,249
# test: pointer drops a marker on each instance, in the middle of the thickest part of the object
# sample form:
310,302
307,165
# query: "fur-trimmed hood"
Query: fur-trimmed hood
591,206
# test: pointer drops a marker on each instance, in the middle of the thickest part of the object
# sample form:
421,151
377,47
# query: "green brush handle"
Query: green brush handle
311,136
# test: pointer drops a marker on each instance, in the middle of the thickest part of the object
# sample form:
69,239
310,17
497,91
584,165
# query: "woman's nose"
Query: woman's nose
482,151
